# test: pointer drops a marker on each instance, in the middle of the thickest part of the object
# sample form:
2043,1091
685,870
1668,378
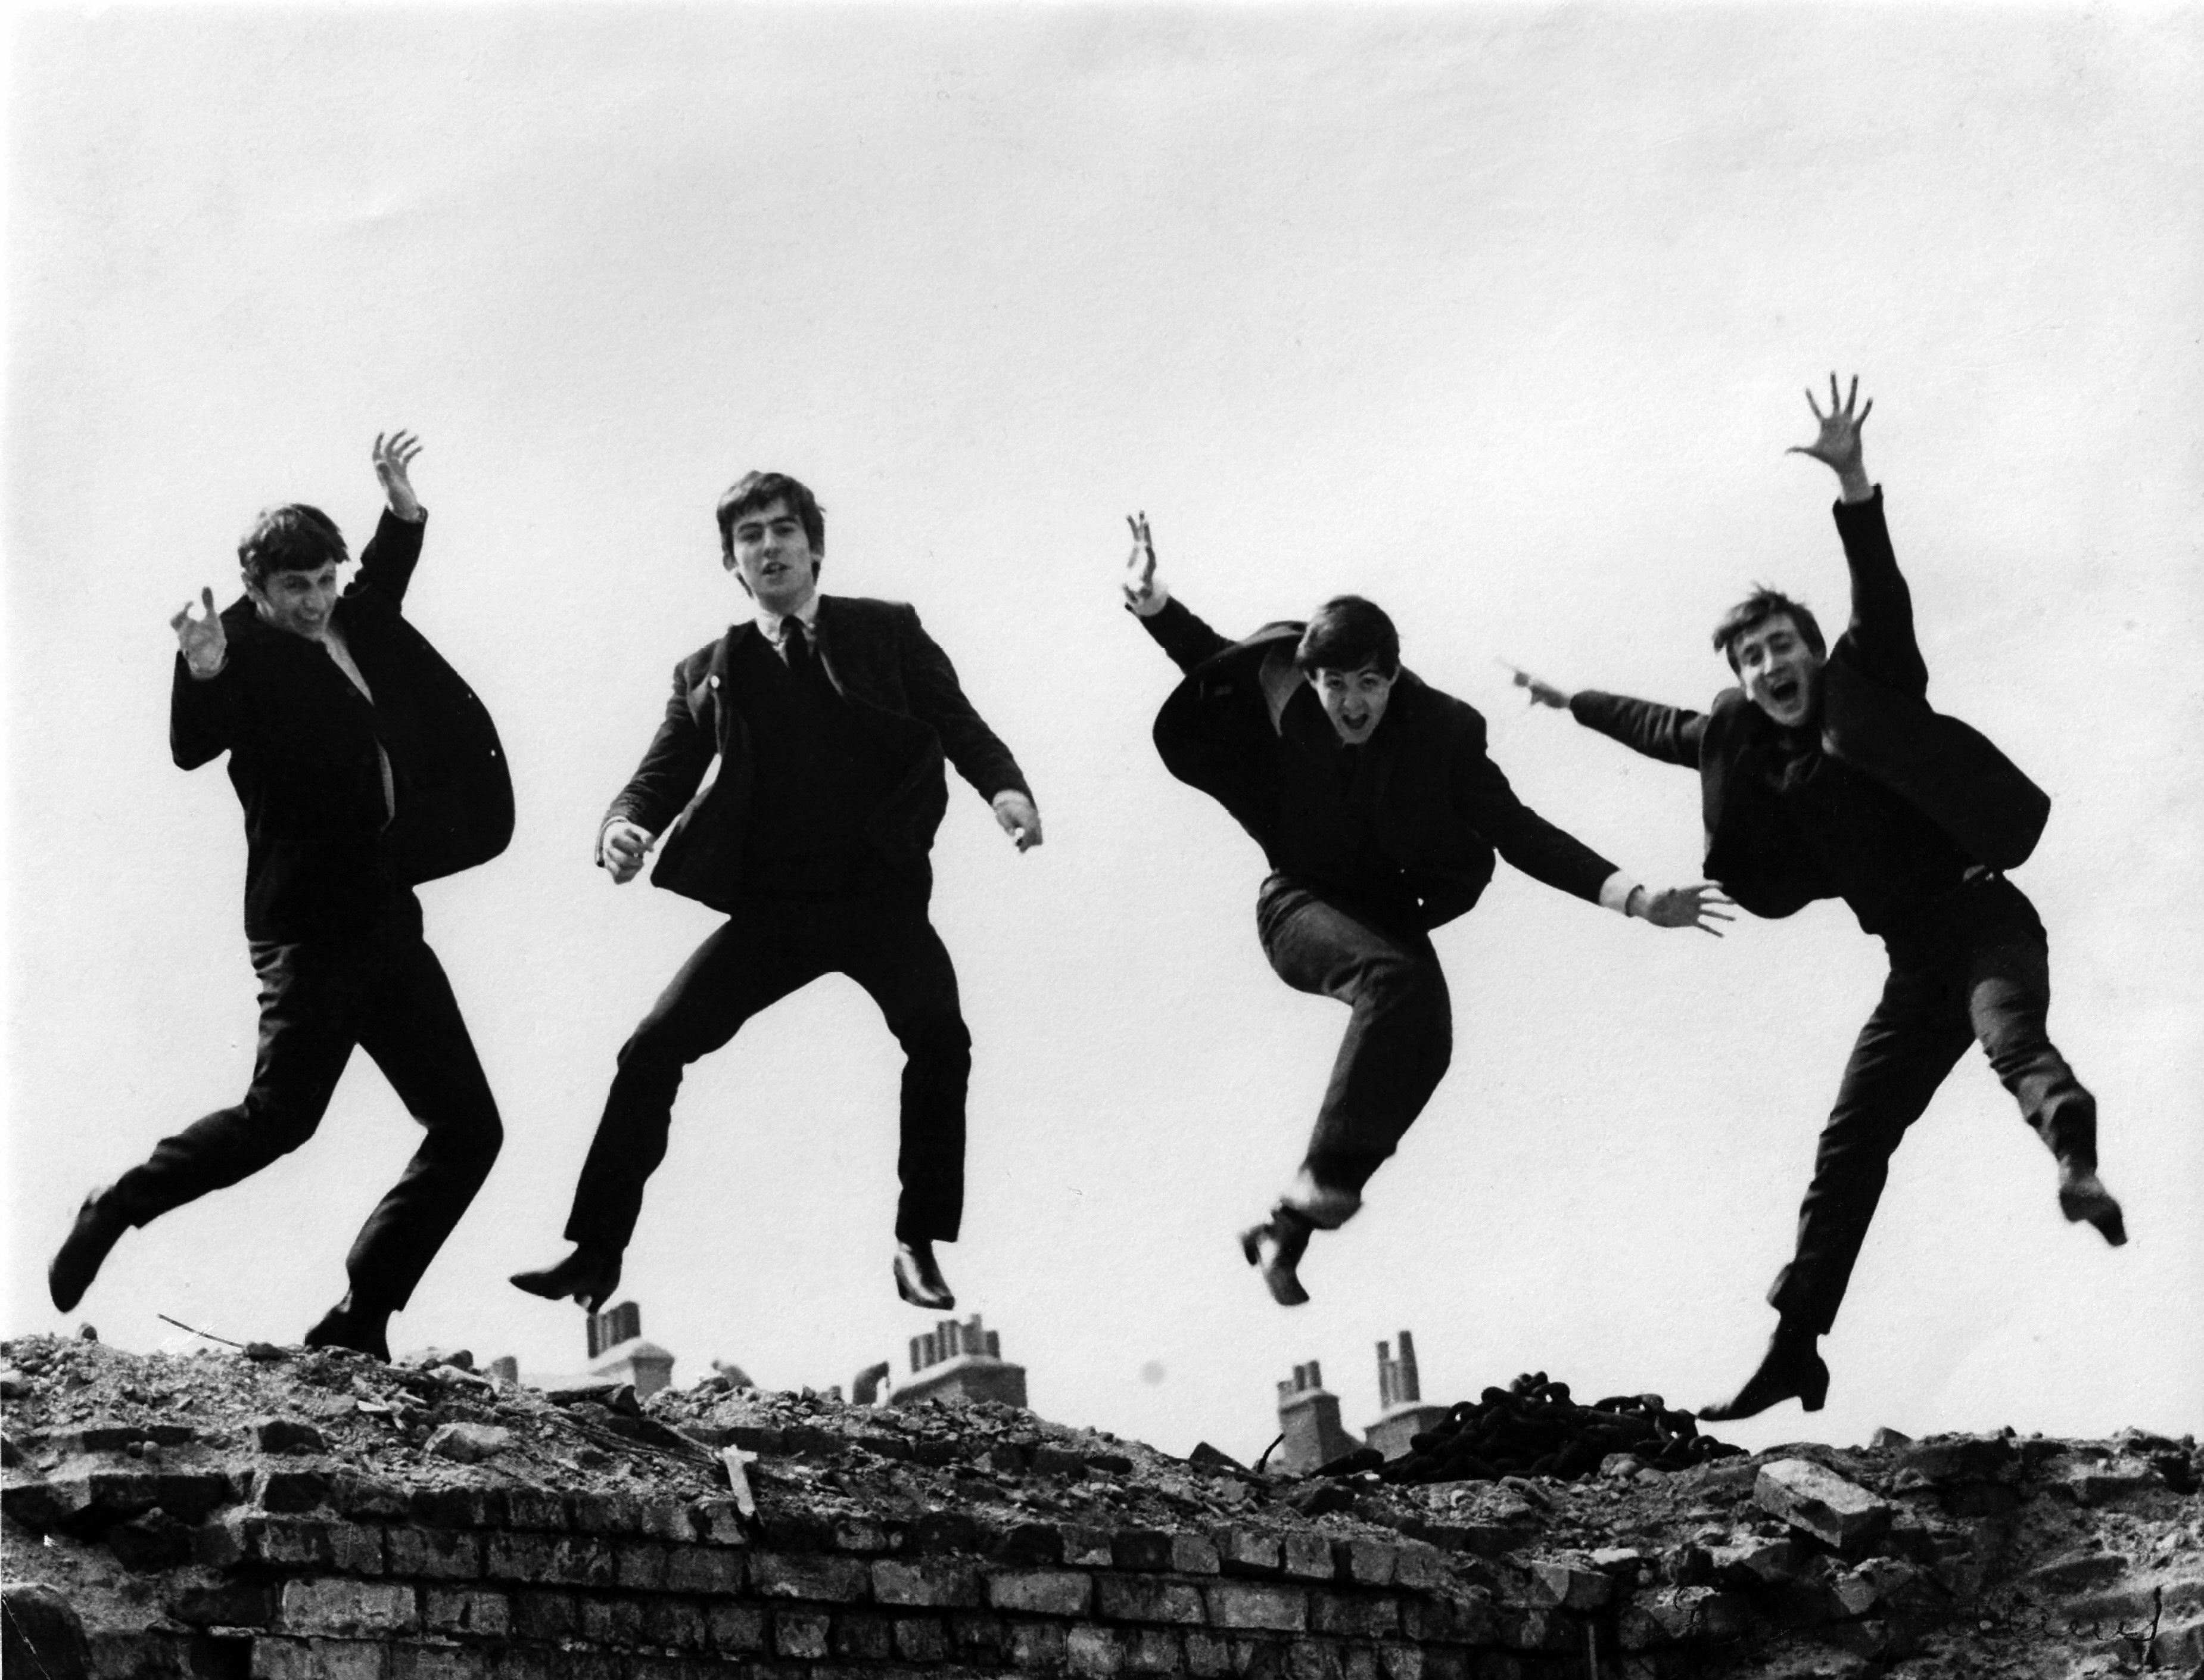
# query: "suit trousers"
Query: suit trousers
1976,968
767,949
383,990
1400,1034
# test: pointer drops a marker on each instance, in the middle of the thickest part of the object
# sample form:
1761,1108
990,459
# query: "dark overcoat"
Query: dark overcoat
1875,717
1443,807
321,847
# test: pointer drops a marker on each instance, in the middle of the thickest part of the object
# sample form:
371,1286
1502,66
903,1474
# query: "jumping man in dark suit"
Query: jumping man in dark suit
1373,801
1830,777
831,718
365,766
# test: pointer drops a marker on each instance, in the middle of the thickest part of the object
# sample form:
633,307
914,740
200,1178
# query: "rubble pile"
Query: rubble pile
1532,1428
307,1513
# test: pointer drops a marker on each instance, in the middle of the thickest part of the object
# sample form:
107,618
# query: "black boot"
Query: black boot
99,1225
918,1277
350,1324
1790,1369
1274,1248
2082,1195
589,1275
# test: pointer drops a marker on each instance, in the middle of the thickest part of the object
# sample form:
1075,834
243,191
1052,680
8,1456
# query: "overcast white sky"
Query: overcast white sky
1500,315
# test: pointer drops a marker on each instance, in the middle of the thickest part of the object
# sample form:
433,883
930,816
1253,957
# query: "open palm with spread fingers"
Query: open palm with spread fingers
1141,568
202,639
1701,907
1837,446
393,456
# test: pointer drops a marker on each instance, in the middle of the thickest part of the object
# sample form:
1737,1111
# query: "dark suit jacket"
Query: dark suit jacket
301,740
899,686
1443,806
1875,717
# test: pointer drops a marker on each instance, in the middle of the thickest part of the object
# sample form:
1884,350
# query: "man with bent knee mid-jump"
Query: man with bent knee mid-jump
365,766
1379,812
1827,774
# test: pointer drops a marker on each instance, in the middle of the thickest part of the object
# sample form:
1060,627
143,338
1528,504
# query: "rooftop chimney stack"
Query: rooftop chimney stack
617,1352
1398,1382
961,1361
1401,1412
1308,1419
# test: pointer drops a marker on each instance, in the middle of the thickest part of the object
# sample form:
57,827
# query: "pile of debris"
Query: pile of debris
128,1475
1532,1428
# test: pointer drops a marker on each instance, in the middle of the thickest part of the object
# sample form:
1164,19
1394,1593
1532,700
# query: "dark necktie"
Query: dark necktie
795,646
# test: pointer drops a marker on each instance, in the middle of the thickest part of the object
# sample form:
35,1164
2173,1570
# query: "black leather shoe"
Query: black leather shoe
1789,1370
918,1279
99,1225
589,1275
1274,1248
2082,1195
363,1329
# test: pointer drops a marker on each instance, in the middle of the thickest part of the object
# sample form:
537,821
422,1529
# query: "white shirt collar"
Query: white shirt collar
770,622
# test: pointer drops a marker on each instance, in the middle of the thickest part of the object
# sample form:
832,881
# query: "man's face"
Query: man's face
299,602
1354,701
774,558
1780,673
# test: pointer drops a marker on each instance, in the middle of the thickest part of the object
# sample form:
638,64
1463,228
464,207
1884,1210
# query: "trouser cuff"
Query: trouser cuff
1322,1200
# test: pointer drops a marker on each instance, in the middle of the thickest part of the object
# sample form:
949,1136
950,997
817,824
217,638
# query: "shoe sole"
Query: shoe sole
589,1296
1812,1396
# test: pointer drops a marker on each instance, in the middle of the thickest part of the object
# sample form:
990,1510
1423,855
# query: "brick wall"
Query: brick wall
298,1569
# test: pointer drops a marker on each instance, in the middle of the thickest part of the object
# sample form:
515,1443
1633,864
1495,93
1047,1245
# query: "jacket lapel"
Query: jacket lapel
824,643
708,692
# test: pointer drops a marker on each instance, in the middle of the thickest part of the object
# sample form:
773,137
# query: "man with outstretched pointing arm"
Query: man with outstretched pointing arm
1380,814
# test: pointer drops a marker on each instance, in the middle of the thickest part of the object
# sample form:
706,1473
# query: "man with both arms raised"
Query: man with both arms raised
1827,775
364,766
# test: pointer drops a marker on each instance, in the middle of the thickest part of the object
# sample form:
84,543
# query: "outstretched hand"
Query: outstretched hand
203,641
1542,693
1837,446
1701,907
1140,569
393,456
